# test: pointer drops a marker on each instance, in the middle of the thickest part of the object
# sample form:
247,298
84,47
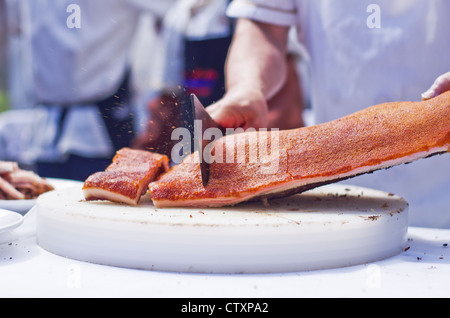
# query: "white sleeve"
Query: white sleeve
279,12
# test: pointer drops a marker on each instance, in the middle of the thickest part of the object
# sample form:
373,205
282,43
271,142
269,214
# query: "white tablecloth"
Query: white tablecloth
27,270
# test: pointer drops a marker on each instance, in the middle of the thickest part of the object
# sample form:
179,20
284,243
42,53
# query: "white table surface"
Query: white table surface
27,270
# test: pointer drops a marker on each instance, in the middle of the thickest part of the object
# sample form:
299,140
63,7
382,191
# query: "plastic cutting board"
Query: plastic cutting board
332,226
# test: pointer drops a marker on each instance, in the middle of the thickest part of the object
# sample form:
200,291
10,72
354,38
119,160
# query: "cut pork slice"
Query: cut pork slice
293,161
127,178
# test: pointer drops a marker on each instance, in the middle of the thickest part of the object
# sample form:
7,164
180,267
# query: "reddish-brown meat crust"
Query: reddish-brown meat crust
127,178
374,138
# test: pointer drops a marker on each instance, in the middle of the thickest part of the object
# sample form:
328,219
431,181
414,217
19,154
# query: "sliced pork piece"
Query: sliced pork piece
378,137
127,178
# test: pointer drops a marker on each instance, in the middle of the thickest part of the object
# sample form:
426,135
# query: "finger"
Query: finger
440,85
228,116
240,109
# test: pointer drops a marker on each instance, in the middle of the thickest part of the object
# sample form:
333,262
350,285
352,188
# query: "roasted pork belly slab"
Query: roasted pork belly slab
294,161
127,178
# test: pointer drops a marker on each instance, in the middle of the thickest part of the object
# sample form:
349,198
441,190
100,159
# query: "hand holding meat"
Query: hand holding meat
18,184
164,117
440,85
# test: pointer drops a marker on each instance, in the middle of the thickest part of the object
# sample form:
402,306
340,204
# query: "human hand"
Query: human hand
163,119
241,108
440,85
246,109
255,72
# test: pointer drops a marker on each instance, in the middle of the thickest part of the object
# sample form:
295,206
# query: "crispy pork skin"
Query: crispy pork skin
296,160
127,178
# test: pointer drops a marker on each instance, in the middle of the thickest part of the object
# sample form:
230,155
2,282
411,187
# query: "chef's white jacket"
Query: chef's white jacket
365,52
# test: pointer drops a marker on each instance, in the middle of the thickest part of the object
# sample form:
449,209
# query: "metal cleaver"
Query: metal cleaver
202,121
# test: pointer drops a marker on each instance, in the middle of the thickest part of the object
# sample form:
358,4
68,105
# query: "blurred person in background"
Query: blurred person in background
18,71
80,81
361,54
3,54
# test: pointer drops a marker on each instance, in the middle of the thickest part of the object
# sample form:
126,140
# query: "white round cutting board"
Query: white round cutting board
331,226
